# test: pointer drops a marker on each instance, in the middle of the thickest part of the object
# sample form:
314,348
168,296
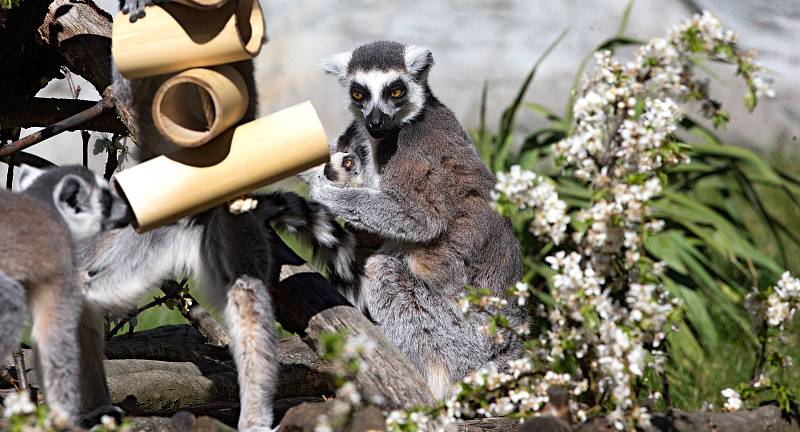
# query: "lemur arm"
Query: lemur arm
415,207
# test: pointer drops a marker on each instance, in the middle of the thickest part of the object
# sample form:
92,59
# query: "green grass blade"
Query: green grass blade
502,140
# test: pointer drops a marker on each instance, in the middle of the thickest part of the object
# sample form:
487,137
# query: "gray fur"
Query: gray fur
433,215
249,313
41,228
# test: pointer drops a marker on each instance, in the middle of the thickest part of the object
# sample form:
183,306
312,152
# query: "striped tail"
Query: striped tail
332,245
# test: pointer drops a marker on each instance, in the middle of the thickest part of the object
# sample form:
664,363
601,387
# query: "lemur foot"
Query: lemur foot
135,8
243,204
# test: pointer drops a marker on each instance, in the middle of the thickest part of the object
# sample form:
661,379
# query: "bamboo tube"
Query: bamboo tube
166,188
173,37
196,105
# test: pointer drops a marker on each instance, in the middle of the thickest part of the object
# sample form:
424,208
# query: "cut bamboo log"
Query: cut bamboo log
197,105
189,181
175,37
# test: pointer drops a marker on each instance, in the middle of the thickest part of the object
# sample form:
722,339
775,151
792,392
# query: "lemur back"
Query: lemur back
41,227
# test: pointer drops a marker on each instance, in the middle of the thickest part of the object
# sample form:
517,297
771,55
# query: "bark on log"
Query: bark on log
301,373
164,392
44,36
80,32
389,376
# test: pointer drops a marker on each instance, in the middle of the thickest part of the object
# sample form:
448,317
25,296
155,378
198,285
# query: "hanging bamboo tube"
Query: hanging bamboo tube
166,188
196,105
174,37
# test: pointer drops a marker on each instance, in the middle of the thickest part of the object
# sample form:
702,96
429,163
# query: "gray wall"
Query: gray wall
498,41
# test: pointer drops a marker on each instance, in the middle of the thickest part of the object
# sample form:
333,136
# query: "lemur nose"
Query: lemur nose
376,123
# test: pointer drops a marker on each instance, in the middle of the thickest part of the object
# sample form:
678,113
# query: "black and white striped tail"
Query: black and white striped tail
333,246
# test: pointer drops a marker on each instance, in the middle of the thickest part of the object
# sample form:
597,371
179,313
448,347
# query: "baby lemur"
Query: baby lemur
40,228
430,209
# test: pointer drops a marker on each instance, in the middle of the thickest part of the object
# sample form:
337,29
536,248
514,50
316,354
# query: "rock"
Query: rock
305,417
181,422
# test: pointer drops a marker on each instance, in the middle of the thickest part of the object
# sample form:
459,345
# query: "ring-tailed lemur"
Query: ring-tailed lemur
40,229
432,210
231,256
351,163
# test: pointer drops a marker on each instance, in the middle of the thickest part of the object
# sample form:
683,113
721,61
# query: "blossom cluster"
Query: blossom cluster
733,401
344,354
610,310
518,392
25,416
526,190
607,309
783,301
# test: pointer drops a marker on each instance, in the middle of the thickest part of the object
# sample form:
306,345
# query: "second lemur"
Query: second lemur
432,210
40,229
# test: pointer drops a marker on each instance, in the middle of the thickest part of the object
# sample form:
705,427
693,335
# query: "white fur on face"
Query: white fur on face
375,80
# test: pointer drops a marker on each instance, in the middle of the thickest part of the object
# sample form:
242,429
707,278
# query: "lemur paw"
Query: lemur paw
242,204
135,8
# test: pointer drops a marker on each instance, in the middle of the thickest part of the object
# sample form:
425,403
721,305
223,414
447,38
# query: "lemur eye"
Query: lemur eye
357,95
347,163
396,93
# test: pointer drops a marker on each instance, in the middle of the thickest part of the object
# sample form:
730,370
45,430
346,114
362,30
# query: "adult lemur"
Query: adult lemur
40,229
431,210
230,256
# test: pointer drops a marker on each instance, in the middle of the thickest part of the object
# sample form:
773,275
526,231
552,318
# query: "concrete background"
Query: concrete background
497,41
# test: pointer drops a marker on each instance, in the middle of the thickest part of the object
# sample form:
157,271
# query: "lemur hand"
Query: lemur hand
312,175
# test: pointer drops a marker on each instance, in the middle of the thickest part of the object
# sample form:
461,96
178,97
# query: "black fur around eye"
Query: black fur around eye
358,93
395,90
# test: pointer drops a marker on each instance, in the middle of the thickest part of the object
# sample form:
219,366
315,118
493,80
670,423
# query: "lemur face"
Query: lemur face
83,198
344,170
386,82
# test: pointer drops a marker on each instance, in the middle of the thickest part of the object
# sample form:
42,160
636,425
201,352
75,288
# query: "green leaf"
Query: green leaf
503,138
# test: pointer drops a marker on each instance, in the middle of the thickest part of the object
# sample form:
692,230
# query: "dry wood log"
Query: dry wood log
305,303
45,36
164,392
80,32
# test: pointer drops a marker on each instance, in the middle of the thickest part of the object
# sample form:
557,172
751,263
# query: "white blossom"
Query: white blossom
18,404
733,401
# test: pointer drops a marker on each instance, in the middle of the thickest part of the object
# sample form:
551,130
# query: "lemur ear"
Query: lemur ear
27,175
336,64
70,194
418,60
